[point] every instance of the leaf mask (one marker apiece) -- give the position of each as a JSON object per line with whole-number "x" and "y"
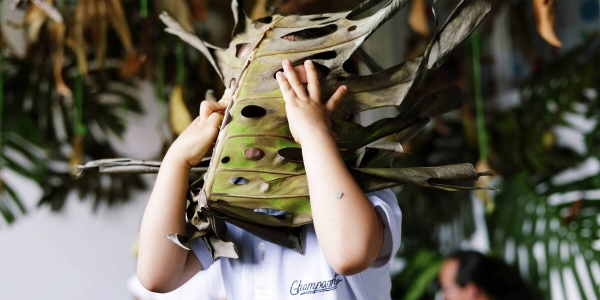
{"x": 256, "y": 177}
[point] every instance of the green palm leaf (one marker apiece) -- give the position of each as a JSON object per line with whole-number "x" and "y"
{"x": 552, "y": 244}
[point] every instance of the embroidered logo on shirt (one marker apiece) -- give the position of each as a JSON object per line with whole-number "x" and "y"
{"x": 299, "y": 288}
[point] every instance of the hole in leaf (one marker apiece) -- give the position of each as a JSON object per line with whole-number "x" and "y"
{"x": 291, "y": 154}
{"x": 341, "y": 78}
{"x": 239, "y": 180}
{"x": 310, "y": 33}
{"x": 322, "y": 71}
{"x": 323, "y": 55}
{"x": 254, "y": 153}
{"x": 330, "y": 21}
{"x": 351, "y": 66}
{"x": 370, "y": 153}
{"x": 225, "y": 159}
{"x": 279, "y": 214}
{"x": 253, "y": 111}
{"x": 352, "y": 28}
{"x": 319, "y": 19}
{"x": 265, "y": 20}
{"x": 242, "y": 50}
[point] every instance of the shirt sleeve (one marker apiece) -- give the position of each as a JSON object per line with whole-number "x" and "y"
{"x": 202, "y": 252}
{"x": 138, "y": 290}
{"x": 386, "y": 206}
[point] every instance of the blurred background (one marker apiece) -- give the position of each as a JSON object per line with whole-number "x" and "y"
{"x": 84, "y": 80}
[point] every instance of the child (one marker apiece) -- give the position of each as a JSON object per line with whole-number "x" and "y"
{"x": 347, "y": 248}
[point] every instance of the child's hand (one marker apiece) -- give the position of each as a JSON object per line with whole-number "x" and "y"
{"x": 193, "y": 143}
{"x": 305, "y": 112}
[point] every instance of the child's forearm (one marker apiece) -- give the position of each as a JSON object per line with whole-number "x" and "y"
{"x": 162, "y": 265}
{"x": 347, "y": 227}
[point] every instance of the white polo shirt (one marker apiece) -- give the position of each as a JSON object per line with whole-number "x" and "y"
{"x": 268, "y": 271}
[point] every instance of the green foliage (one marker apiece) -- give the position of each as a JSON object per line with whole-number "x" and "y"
{"x": 549, "y": 241}
{"x": 39, "y": 127}
{"x": 418, "y": 279}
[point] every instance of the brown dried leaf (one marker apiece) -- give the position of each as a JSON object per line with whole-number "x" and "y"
{"x": 417, "y": 19}
{"x": 179, "y": 10}
{"x": 76, "y": 154}
{"x": 179, "y": 115}
{"x": 484, "y": 195}
{"x": 235, "y": 185}
{"x": 544, "y": 13}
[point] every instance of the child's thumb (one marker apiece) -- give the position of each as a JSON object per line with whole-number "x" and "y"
{"x": 214, "y": 120}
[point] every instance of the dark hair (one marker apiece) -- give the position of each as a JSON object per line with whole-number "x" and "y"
{"x": 491, "y": 275}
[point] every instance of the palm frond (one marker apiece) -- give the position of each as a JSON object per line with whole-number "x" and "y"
{"x": 551, "y": 243}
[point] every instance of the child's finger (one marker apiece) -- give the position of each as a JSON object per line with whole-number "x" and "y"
{"x": 214, "y": 120}
{"x": 226, "y": 94}
{"x": 293, "y": 79}
{"x": 210, "y": 95}
{"x": 284, "y": 86}
{"x": 336, "y": 99}
{"x": 208, "y": 107}
{"x": 314, "y": 87}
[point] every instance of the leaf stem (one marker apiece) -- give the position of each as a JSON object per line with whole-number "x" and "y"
{"x": 477, "y": 89}
{"x": 79, "y": 126}
{"x": 180, "y": 55}
{"x": 144, "y": 8}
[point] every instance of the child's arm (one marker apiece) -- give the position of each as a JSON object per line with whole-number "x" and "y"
{"x": 349, "y": 230}
{"x": 162, "y": 265}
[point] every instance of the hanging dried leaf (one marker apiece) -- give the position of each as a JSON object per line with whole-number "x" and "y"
{"x": 93, "y": 17}
{"x": 179, "y": 115}
{"x": 544, "y": 13}
{"x": 34, "y": 20}
{"x": 76, "y": 154}
{"x": 43, "y": 12}
{"x": 417, "y": 19}
{"x": 179, "y": 9}
{"x": 131, "y": 65}
{"x": 49, "y": 9}
{"x": 235, "y": 184}
{"x": 57, "y": 34}
{"x": 483, "y": 194}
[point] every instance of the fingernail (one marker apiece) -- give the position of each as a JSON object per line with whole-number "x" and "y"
{"x": 278, "y": 74}
{"x": 345, "y": 88}
{"x": 308, "y": 62}
{"x": 287, "y": 62}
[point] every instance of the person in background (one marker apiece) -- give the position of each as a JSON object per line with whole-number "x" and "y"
{"x": 470, "y": 275}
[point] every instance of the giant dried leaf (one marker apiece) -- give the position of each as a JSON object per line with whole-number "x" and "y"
{"x": 255, "y": 121}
